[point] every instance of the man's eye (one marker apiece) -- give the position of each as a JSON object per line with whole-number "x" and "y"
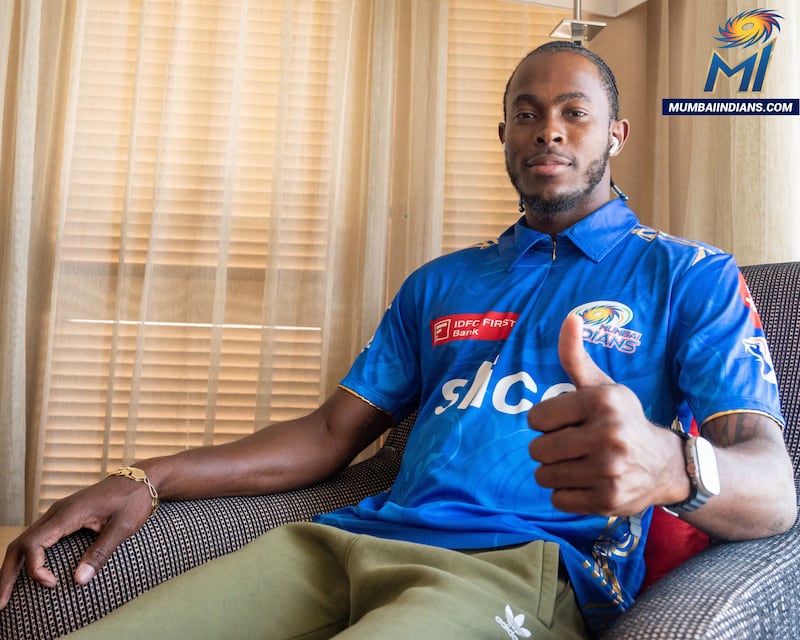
{"x": 577, "y": 113}
{"x": 525, "y": 115}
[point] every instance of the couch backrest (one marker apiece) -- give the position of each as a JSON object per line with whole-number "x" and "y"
{"x": 776, "y": 293}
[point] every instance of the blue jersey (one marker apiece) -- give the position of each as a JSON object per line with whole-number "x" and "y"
{"x": 470, "y": 341}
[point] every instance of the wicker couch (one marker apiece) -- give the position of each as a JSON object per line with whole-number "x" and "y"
{"x": 735, "y": 590}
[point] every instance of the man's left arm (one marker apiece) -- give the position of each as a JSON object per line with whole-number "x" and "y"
{"x": 599, "y": 454}
{"x": 757, "y": 495}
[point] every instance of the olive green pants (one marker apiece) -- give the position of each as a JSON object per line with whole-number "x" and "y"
{"x": 312, "y": 581}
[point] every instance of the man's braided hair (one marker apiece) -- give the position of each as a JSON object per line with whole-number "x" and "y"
{"x": 609, "y": 81}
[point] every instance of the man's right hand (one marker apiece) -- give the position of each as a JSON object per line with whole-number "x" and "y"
{"x": 288, "y": 455}
{"x": 115, "y": 509}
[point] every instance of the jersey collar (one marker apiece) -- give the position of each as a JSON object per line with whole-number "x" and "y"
{"x": 596, "y": 235}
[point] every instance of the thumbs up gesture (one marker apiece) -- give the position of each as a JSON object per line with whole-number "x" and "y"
{"x": 597, "y": 450}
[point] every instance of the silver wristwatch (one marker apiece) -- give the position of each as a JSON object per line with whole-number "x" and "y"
{"x": 701, "y": 466}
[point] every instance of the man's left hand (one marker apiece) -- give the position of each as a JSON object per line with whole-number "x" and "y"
{"x": 598, "y": 452}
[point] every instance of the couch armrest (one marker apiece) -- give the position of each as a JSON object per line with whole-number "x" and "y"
{"x": 739, "y": 590}
{"x": 180, "y": 536}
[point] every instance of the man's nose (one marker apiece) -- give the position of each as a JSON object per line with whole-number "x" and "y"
{"x": 549, "y": 132}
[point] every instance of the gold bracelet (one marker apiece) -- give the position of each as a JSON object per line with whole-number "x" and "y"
{"x": 139, "y": 476}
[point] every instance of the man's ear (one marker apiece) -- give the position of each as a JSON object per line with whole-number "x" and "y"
{"x": 619, "y": 131}
{"x": 501, "y": 132}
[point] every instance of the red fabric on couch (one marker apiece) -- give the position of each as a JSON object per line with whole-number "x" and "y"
{"x": 671, "y": 541}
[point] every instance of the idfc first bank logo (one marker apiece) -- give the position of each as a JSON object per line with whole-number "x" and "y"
{"x": 753, "y": 33}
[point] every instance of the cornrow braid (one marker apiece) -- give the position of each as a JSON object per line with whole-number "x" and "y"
{"x": 609, "y": 81}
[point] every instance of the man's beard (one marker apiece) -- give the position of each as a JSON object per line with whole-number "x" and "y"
{"x": 546, "y": 209}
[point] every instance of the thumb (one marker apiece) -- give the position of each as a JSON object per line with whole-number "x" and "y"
{"x": 579, "y": 366}
{"x": 96, "y": 556}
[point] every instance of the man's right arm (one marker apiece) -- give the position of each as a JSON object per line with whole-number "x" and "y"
{"x": 284, "y": 456}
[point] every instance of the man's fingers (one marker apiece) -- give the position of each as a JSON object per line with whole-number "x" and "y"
{"x": 105, "y": 508}
{"x": 582, "y": 501}
{"x": 33, "y": 560}
{"x": 8, "y": 576}
{"x": 579, "y": 366}
{"x": 100, "y": 551}
{"x": 84, "y": 572}
{"x": 44, "y": 576}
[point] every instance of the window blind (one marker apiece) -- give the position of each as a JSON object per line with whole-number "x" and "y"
{"x": 486, "y": 41}
{"x": 187, "y": 117}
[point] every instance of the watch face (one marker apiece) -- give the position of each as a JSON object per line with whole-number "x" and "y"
{"x": 707, "y": 475}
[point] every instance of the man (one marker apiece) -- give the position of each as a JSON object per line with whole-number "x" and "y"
{"x": 491, "y": 529}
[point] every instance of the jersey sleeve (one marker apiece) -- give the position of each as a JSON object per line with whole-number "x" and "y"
{"x": 723, "y": 363}
{"x": 387, "y": 371}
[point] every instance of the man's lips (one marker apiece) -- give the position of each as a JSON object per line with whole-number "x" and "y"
{"x": 548, "y": 164}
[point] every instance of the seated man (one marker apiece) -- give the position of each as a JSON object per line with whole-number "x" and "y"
{"x": 547, "y": 369}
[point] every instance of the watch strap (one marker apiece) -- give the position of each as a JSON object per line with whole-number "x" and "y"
{"x": 696, "y": 499}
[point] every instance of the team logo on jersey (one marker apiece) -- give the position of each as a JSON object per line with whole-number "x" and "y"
{"x": 757, "y": 347}
{"x": 604, "y": 325}
{"x": 492, "y": 325}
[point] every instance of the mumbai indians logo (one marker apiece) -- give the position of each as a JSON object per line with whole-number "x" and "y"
{"x": 604, "y": 324}
{"x": 745, "y": 30}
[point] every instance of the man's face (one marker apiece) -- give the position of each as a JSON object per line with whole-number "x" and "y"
{"x": 556, "y": 136}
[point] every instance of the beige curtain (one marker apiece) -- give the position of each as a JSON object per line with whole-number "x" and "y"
{"x": 35, "y": 47}
{"x": 207, "y": 206}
